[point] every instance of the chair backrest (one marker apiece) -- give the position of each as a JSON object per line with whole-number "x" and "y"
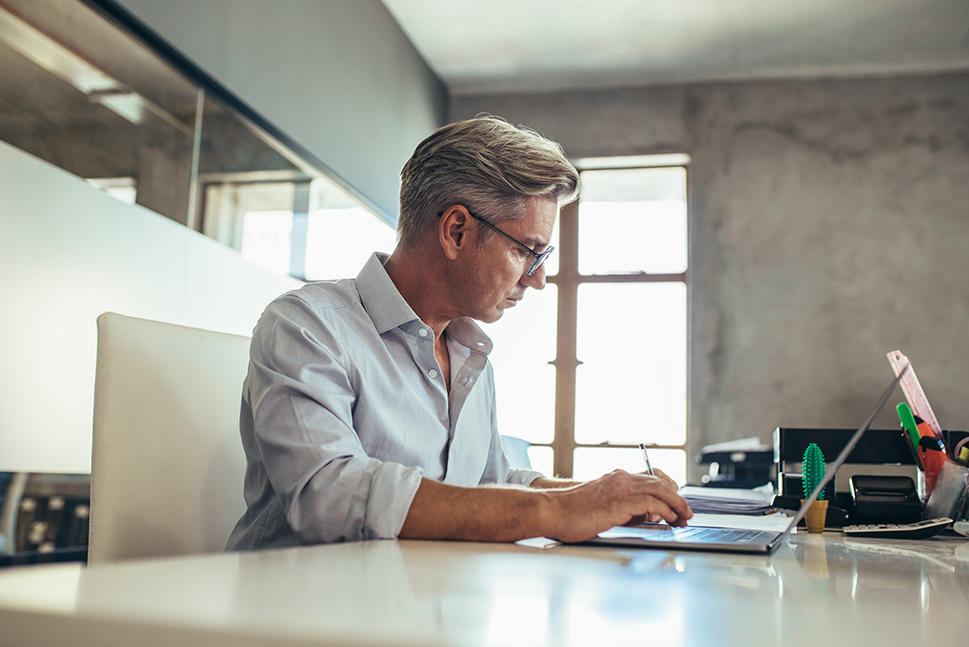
{"x": 167, "y": 463}
{"x": 516, "y": 451}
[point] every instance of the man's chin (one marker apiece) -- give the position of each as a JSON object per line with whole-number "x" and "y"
{"x": 491, "y": 317}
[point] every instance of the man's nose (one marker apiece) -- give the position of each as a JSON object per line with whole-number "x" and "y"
{"x": 536, "y": 280}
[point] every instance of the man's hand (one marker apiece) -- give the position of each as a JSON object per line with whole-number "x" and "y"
{"x": 617, "y": 498}
{"x": 574, "y": 513}
{"x": 661, "y": 475}
{"x": 654, "y": 518}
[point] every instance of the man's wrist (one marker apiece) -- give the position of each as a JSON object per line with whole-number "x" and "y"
{"x": 549, "y": 513}
{"x": 549, "y": 483}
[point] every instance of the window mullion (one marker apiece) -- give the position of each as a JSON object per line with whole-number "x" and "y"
{"x": 566, "y": 361}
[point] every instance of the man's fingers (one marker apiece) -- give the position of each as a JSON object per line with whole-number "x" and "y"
{"x": 673, "y": 501}
{"x": 659, "y": 509}
{"x": 665, "y": 478}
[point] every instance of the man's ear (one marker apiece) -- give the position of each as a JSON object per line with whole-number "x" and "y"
{"x": 454, "y": 230}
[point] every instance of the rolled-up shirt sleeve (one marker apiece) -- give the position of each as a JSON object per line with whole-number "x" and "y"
{"x": 302, "y": 401}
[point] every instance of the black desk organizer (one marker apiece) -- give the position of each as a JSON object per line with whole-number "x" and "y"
{"x": 876, "y": 447}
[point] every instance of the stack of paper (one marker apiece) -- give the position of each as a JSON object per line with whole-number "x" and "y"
{"x": 726, "y": 500}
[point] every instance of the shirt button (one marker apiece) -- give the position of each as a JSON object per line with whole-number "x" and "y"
{"x": 466, "y": 380}
{"x": 432, "y": 373}
{"x": 422, "y": 332}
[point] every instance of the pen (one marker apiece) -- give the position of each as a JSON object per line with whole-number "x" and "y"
{"x": 914, "y": 449}
{"x": 908, "y": 422}
{"x": 649, "y": 467}
{"x": 925, "y": 431}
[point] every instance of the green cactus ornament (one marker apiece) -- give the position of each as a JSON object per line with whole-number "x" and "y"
{"x": 812, "y": 468}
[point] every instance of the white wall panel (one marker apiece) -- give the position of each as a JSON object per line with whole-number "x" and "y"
{"x": 69, "y": 252}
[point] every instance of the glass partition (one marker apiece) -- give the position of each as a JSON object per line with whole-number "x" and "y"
{"x": 80, "y": 92}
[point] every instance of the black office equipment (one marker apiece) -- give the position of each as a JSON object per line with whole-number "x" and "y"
{"x": 878, "y": 447}
{"x": 915, "y": 530}
{"x": 730, "y": 539}
{"x": 884, "y": 499}
{"x": 737, "y": 468}
{"x": 47, "y": 518}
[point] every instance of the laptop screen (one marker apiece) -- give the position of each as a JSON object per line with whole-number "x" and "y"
{"x": 832, "y": 468}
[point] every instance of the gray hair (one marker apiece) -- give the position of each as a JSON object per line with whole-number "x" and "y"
{"x": 486, "y": 164}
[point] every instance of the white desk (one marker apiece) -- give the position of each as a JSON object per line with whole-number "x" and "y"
{"x": 818, "y": 590}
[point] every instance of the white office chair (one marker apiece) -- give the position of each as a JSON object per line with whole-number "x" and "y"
{"x": 167, "y": 464}
{"x": 516, "y": 451}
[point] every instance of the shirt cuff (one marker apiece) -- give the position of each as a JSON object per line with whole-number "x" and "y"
{"x": 392, "y": 491}
{"x": 522, "y": 477}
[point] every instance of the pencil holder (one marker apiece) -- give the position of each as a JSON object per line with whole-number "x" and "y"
{"x": 949, "y": 496}
{"x": 933, "y": 462}
{"x": 816, "y": 516}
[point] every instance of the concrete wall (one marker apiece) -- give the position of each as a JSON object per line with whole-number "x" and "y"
{"x": 69, "y": 252}
{"x": 828, "y": 225}
{"x": 338, "y": 77}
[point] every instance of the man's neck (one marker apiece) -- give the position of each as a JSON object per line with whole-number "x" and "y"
{"x": 418, "y": 281}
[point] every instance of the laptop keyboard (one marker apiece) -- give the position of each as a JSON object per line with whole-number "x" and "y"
{"x": 718, "y": 535}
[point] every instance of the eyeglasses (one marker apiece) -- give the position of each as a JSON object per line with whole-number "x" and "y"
{"x": 538, "y": 258}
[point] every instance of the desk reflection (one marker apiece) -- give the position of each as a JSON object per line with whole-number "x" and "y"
{"x": 455, "y": 593}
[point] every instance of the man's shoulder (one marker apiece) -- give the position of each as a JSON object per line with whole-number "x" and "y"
{"x": 321, "y": 296}
{"x": 321, "y": 302}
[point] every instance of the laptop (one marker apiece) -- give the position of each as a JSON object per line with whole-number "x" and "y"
{"x": 732, "y": 540}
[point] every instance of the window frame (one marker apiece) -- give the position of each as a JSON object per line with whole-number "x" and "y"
{"x": 568, "y": 279}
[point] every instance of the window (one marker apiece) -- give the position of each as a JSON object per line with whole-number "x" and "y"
{"x": 602, "y": 350}
{"x": 308, "y": 229}
{"x": 81, "y": 93}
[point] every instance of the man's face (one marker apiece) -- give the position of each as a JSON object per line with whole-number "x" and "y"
{"x": 495, "y": 277}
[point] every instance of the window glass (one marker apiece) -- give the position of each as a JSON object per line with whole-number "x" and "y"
{"x": 67, "y": 97}
{"x": 631, "y": 385}
{"x": 633, "y": 220}
{"x": 341, "y": 234}
{"x": 593, "y": 462}
{"x": 524, "y": 344}
{"x": 266, "y": 239}
{"x": 79, "y": 92}
{"x": 541, "y": 459}
{"x": 253, "y": 217}
{"x": 551, "y": 265}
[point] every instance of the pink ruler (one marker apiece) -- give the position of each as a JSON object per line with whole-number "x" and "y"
{"x": 913, "y": 391}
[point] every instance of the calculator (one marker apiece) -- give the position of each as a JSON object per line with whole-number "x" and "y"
{"x": 915, "y": 530}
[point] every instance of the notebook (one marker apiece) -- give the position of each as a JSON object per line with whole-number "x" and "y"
{"x": 732, "y": 540}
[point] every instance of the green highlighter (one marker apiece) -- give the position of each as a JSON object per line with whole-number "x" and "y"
{"x": 908, "y": 422}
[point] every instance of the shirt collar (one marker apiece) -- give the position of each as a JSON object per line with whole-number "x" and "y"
{"x": 380, "y": 297}
{"x": 469, "y": 334}
{"x": 388, "y": 309}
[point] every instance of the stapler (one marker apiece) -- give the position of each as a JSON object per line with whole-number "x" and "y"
{"x": 884, "y": 499}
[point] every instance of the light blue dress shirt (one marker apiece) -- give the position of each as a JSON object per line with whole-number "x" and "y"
{"x": 344, "y": 409}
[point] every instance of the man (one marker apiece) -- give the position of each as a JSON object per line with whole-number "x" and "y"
{"x": 368, "y": 410}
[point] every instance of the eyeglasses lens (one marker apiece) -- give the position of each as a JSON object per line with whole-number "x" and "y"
{"x": 539, "y": 260}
